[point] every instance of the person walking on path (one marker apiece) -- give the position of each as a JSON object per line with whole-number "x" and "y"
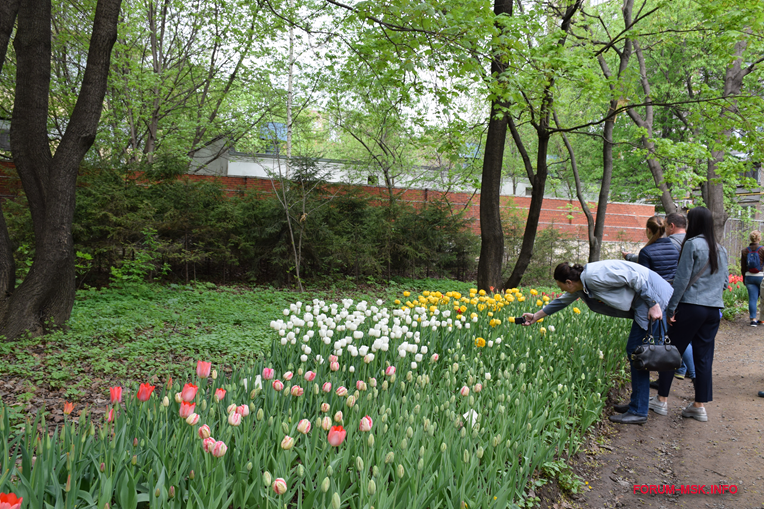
{"x": 621, "y": 289}
{"x": 694, "y": 310}
{"x": 752, "y": 268}
{"x": 676, "y": 229}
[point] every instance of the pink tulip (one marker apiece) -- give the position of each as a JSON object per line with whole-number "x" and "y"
{"x": 110, "y": 416}
{"x": 219, "y": 449}
{"x": 341, "y": 391}
{"x": 366, "y": 424}
{"x": 390, "y": 371}
{"x": 204, "y": 432}
{"x": 203, "y": 369}
{"x": 288, "y": 375}
{"x": 373, "y": 382}
{"x": 338, "y": 416}
{"x": 465, "y": 391}
{"x": 242, "y": 410}
{"x": 186, "y": 409}
{"x": 280, "y": 486}
{"x": 434, "y": 358}
{"x": 297, "y": 391}
{"x": 116, "y": 395}
{"x": 310, "y": 376}
{"x": 10, "y": 501}
{"x": 193, "y": 419}
{"x": 336, "y": 436}
{"x": 325, "y": 407}
{"x": 219, "y": 395}
{"x": 208, "y": 444}
{"x": 234, "y": 419}
{"x": 287, "y": 443}
{"x": 268, "y": 374}
{"x": 231, "y": 408}
{"x": 478, "y": 387}
{"x": 326, "y": 423}
{"x": 334, "y": 366}
{"x": 333, "y": 358}
{"x": 327, "y": 387}
{"x": 278, "y": 385}
{"x": 360, "y": 385}
{"x": 189, "y": 392}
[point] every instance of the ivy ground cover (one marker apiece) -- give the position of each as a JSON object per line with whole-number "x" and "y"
{"x": 436, "y": 401}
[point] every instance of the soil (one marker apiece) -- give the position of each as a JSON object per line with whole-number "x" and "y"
{"x": 673, "y": 451}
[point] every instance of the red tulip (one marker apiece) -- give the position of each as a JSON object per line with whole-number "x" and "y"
{"x": 310, "y": 376}
{"x": 110, "y": 415}
{"x": 10, "y": 501}
{"x": 366, "y": 424}
{"x": 186, "y": 409}
{"x": 336, "y": 436}
{"x": 144, "y": 392}
{"x": 116, "y": 394}
{"x": 68, "y": 407}
{"x": 204, "y": 432}
{"x": 189, "y": 392}
{"x": 203, "y": 369}
{"x": 267, "y": 374}
{"x": 219, "y": 394}
{"x": 278, "y": 385}
{"x": 297, "y": 391}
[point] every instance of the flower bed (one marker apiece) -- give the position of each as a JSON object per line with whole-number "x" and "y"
{"x": 438, "y": 402}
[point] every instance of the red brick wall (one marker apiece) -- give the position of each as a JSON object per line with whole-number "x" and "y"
{"x": 624, "y": 221}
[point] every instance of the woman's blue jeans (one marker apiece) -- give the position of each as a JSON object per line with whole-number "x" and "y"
{"x": 753, "y": 284}
{"x": 688, "y": 365}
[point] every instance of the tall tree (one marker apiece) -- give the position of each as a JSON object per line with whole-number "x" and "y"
{"x": 46, "y": 296}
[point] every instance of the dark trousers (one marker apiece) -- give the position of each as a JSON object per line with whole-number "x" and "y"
{"x": 696, "y": 325}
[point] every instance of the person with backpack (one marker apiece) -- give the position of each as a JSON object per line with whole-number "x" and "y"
{"x": 752, "y": 268}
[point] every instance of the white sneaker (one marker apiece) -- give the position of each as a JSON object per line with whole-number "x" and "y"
{"x": 697, "y": 413}
{"x": 660, "y": 408}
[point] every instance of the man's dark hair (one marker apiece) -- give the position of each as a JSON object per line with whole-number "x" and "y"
{"x": 677, "y": 220}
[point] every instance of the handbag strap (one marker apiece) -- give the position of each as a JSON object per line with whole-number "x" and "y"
{"x": 650, "y": 339}
{"x": 700, "y": 272}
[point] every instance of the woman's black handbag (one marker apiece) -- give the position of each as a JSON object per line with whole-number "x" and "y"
{"x": 652, "y": 356}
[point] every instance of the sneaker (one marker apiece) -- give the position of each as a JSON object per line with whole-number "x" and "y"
{"x": 678, "y": 376}
{"x": 699, "y": 414}
{"x": 754, "y": 323}
{"x": 658, "y": 407}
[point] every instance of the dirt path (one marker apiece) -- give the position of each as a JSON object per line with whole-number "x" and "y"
{"x": 671, "y": 450}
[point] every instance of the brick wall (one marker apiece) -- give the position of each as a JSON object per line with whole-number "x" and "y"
{"x": 625, "y": 222}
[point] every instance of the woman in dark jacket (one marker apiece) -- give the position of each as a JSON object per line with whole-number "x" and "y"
{"x": 753, "y": 274}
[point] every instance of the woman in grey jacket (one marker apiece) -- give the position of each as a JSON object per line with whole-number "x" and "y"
{"x": 621, "y": 289}
{"x": 694, "y": 310}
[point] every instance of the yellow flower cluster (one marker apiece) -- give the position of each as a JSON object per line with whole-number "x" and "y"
{"x": 479, "y": 342}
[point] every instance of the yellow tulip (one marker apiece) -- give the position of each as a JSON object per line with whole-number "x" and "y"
{"x": 406, "y": 294}
{"x": 577, "y": 311}
{"x": 534, "y": 292}
{"x": 539, "y": 302}
{"x": 482, "y": 292}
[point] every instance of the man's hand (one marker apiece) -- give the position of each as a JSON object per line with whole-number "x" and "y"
{"x": 655, "y": 313}
{"x": 529, "y": 318}
{"x": 624, "y": 254}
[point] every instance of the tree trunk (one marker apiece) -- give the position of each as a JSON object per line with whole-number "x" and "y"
{"x": 534, "y": 210}
{"x": 491, "y": 234}
{"x": 46, "y": 296}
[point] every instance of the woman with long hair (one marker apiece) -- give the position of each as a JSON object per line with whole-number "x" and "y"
{"x": 624, "y": 290}
{"x": 694, "y": 310}
{"x": 752, "y": 269}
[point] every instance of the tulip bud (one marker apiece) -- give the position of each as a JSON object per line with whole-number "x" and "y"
{"x": 421, "y": 451}
{"x": 284, "y": 427}
{"x": 267, "y": 478}
{"x": 191, "y": 475}
{"x": 359, "y": 463}
{"x": 135, "y": 442}
{"x": 134, "y": 459}
{"x": 300, "y": 470}
{"x": 157, "y": 492}
{"x": 279, "y": 486}
{"x": 214, "y": 374}
{"x": 480, "y": 453}
{"x": 336, "y": 501}
{"x": 404, "y": 444}
{"x": 389, "y": 458}
{"x": 350, "y": 401}
{"x": 165, "y": 402}
{"x": 249, "y": 466}
{"x": 420, "y": 464}
{"x": 178, "y": 397}
{"x": 372, "y": 487}
{"x": 260, "y": 414}
{"x": 171, "y": 492}
{"x": 326, "y": 423}
{"x": 370, "y": 440}
{"x": 325, "y": 485}
{"x": 304, "y": 426}
{"x": 384, "y": 385}
{"x": 204, "y": 405}
{"x": 102, "y": 467}
{"x": 287, "y": 443}
{"x": 443, "y": 447}
{"x": 338, "y": 416}
{"x": 192, "y": 419}
{"x": 400, "y": 471}
{"x": 329, "y": 471}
